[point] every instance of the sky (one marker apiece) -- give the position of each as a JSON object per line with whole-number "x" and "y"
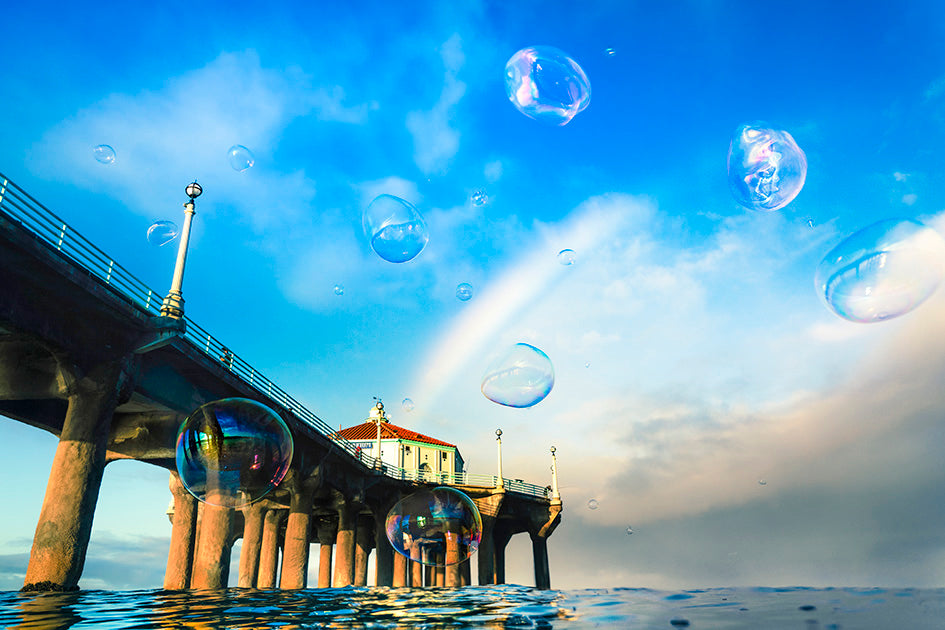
{"x": 704, "y": 394}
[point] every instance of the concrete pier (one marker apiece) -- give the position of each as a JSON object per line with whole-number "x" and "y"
{"x": 183, "y": 537}
{"x": 254, "y": 516}
{"x": 344, "y": 543}
{"x": 296, "y": 550}
{"x": 214, "y": 542}
{"x": 269, "y": 548}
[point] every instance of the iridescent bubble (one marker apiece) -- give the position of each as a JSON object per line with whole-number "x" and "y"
{"x": 610, "y": 52}
{"x": 339, "y": 289}
{"x": 407, "y": 404}
{"x": 232, "y": 452}
{"x": 240, "y": 157}
{"x": 629, "y": 530}
{"x": 546, "y": 84}
{"x": 436, "y": 527}
{"x": 464, "y": 291}
{"x": 520, "y": 377}
{"x": 395, "y": 228}
{"x": 479, "y": 198}
{"x": 883, "y": 271}
{"x": 766, "y": 168}
{"x": 593, "y": 504}
{"x": 104, "y": 154}
{"x": 566, "y": 257}
{"x": 162, "y": 232}
{"x": 762, "y": 482}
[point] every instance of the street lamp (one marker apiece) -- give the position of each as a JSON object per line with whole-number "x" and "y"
{"x": 173, "y": 305}
{"x": 500, "y": 482}
{"x": 380, "y": 417}
{"x": 555, "y": 497}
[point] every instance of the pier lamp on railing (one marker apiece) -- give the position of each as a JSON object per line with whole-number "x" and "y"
{"x": 555, "y": 497}
{"x": 500, "y": 483}
{"x": 380, "y": 417}
{"x": 173, "y": 305}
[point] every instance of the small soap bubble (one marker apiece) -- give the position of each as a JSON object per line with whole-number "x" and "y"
{"x": 339, "y": 289}
{"x": 162, "y": 232}
{"x": 104, "y": 154}
{"x": 762, "y": 482}
{"x": 407, "y": 404}
{"x": 479, "y": 198}
{"x": 610, "y": 52}
{"x": 566, "y": 257}
{"x": 520, "y": 377}
{"x": 464, "y": 291}
{"x": 396, "y": 230}
{"x": 438, "y": 527}
{"x": 629, "y": 530}
{"x": 546, "y": 84}
{"x": 593, "y": 504}
{"x": 232, "y": 452}
{"x": 883, "y": 271}
{"x": 810, "y": 223}
{"x": 240, "y": 157}
{"x": 766, "y": 168}
{"x": 588, "y": 364}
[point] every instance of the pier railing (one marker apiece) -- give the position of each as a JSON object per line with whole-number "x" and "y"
{"x": 20, "y": 207}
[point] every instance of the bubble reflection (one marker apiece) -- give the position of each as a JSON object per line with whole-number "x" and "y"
{"x": 162, "y": 232}
{"x": 232, "y": 452}
{"x": 240, "y": 158}
{"x": 438, "y": 527}
{"x": 396, "y": 229}
{"x": 546, "y": 84}
{"x": 521, "y": 376}
{"x": 766, "y": 168}
{"x": 883, "y": 271}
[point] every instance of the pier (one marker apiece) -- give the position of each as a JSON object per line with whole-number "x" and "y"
{"x": 88, "y": 353}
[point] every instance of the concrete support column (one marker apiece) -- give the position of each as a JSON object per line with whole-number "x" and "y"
{"x": 212, "y": 557}
{"x": 487, "y": 553}
{"x": 253, "y": 518}
{"x": 499, "y": 542}
{"x": 327, "y": 531}
{"x": 363, "y": 543}
{"x": 440, "y": 575}
{"x": 65, "y": 519}
{"x": 269, "y": 552}
{"x": 401, "y": 566}
{"x": 466, "y": 574}
{"x": 344, "y": 544}
{"x": 383, "y": 555}
{"x": 183, "y": 531}
{"x": 295, "y": 551}
{"x": 416, "y": 569}
{"x": 453, "y": 576}
{"x": 542, "y": 572}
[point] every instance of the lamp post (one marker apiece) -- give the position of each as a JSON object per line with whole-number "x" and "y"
{"x": 555, "y": 497}
{"x": 173, "y": 305}
{"x": 500, "y": 483}
{"x": 380, "y": 416}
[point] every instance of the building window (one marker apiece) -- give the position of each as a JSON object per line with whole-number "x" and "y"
{"x": 445, "y": 455}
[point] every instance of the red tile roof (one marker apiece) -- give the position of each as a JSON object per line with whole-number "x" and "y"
{"x": 368, "y": 431}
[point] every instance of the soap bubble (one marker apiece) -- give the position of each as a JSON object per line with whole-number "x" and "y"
{"x": 629, "y": 530}
{"x": 883, "y": 271}
{"x": 407, "y": 404}
{"x": 464, "y": 291}
{"x": 339, "y": 289}
{"x": 395, "y": 228}
{"x": 566, "y": 257}
{"x": 762, "y": 482}
{"x": 479, "y": 198}
{"x": 436, "y": 527}
{"x": 544, "y": 83}
{"x": 520, "y": 377}
{"x": 588, "y": 364}
{"x": 610, "y": 52}
{"x": 766, "y": 168}
{"x": 232, "y": 452}
{"x": 104, "y": 154}
{"x": 240, "y": 157}
{"x": 162, "y": 232}
{"x": 593, "y": 504}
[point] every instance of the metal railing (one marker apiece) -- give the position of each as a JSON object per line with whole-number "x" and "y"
{"x": 20, "y": 207}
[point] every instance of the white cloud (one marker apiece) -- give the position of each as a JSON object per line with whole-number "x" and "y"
{"x": 435, "y": 139}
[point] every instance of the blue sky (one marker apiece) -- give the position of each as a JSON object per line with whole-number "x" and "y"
{"x": 711, "y": 363}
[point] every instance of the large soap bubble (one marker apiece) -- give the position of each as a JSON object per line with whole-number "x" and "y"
{"x": 436, "y": 527}
{"x": 546, "y": 84}
{"x": 240, "y": 158}
{"x": 395, "y": 228}
{"x": 766, "y": 168}
{"x": 104, "y": 153}
{"x": 162, "y": 232}
{"x": 520, "y": 377}
{"x": 883, "y": 271}
{"x": 232, "y": 452}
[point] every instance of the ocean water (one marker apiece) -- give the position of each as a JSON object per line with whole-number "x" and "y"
{"x": 505, "y": 606}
